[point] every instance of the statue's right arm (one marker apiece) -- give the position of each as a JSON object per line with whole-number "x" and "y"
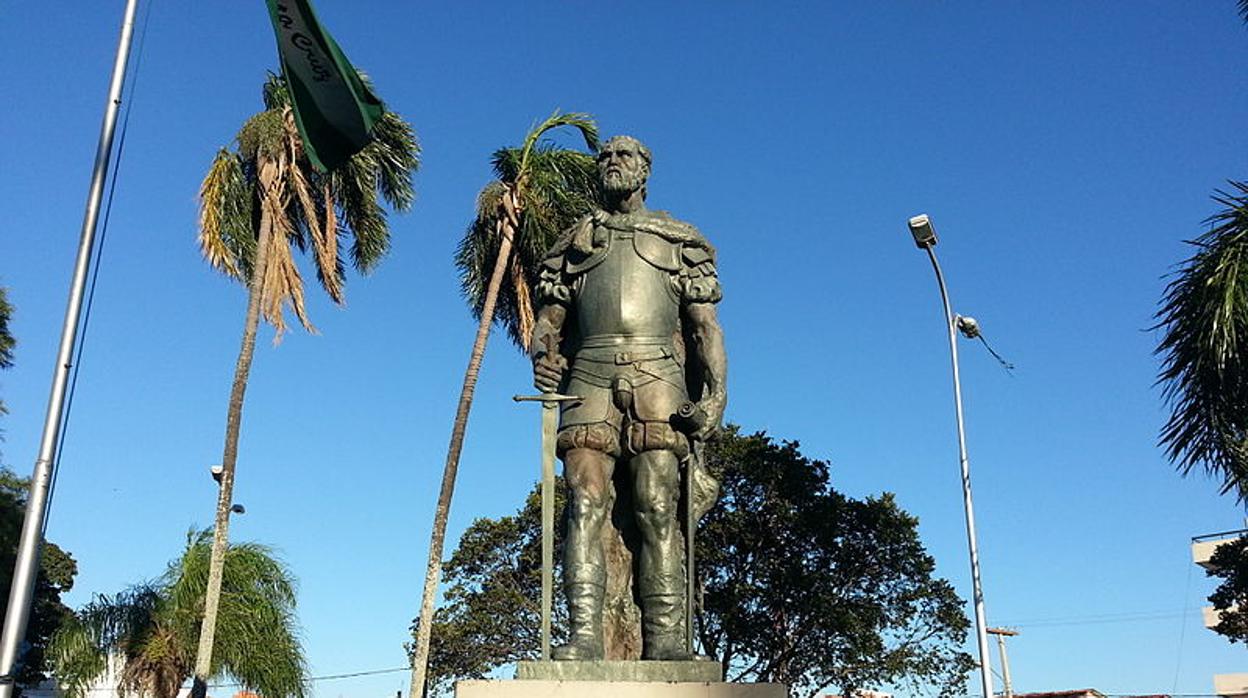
{"x": 548, "y": 363}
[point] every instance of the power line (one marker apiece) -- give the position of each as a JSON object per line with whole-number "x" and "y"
{"x": 328, "y": 677}
{"x": 1093, "y": 619}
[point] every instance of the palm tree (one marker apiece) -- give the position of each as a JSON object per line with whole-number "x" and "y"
{"x": 255, "y": 204}
{"x": 540, "y": 190}
{"x": 7, "y": 342}
{"x": 1204, "y": 317}
{"x": 6, "y": 338}
{"x": 148, "y": 632}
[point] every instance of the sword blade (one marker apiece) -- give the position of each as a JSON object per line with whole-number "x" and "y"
{"x": 550, "y": 425}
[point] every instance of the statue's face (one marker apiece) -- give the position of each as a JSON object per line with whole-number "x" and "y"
{"x": 621, "y": 166}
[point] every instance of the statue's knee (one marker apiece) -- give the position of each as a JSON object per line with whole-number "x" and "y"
{"x": 589, "y": 505}
{"x": 656, "y": 514}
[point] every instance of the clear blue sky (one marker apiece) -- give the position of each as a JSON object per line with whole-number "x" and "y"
{"x": 1063, "y": 149}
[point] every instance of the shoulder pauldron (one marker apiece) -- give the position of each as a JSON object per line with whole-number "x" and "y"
{"x": 657, "y": 251}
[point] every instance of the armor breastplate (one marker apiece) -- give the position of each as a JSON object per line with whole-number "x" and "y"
{"x": 627, "y": 294}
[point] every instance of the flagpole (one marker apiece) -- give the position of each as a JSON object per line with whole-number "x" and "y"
{"x": 25, "y": 571}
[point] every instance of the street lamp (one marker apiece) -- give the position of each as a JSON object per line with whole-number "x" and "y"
{"x": 925, "y": 238}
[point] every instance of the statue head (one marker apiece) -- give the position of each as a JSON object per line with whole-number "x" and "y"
{"x": 623, "y": 166}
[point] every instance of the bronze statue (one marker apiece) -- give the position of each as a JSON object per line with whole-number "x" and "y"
{"x": 626, "y": 321}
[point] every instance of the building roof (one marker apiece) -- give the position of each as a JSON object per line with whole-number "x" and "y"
{"x": 1062, "y": 694}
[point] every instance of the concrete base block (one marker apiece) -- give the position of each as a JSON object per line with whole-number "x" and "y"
{"x": 611, "y": 671}
{"x": 615, "y": 689}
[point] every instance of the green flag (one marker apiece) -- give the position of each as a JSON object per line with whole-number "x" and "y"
{"x": 333, "y": 107}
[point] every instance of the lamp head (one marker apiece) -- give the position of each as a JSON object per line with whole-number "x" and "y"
{"x": 922, "y": 230}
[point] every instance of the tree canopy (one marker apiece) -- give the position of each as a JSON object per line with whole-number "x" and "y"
{"x": 1229, "y": 563}
{"x": 154, "y": 626}
{"x": 268, "y": 179}
{"x": 553, "y": 186}
{"x": 799, "y": 584}
{"x": 57, "y": 569}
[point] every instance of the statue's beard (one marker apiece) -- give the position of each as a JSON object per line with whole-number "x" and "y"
{"x": 621, "y": 183}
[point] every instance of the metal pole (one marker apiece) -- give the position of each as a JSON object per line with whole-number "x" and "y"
{"x": 981, "y": 627}
{"x": 1001, "y": 634}
{"x": 26, "y": 569}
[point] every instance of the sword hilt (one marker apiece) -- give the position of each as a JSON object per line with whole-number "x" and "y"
{"x": 546, "y": 397}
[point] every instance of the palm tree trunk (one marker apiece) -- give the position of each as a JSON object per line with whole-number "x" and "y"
{"x": 233, "y": 421}
{"x": 433, "y": 572}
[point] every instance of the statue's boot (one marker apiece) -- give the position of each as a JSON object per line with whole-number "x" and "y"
{"x": 585, "y": 622}
{"x": 663, "y": 627}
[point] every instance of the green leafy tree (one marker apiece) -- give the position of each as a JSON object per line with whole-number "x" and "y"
{"x": 805, "y": 586}
{"x": 261, "y": 201}
{"x": 151, "y": 629}
{"x": 491, "y": 610}
{"x": 1229, "y": 563}
{"x": 57, "y": 569}
{"x": 799, "y": 584}
{"x": 539, "y": 192}
{"x": 1204, "y": 318}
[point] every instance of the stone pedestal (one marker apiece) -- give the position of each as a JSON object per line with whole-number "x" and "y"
{"x": 616, "y": 679}
{"x": 535, "y": 688}
{"x": 613, "y": 671}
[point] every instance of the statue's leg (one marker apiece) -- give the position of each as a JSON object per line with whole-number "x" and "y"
{"x": 656, "y": 492}
{"x": 588, "y": 474}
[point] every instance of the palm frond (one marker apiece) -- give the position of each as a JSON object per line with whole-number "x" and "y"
{"x": 1204, "y": 317}
{"x": 1243, "y": 10}
{"x": 274, "y": 92}
{"x": 282, "y": 283}
{"x": 310, "y": 218}
{"x": 581, "y": 122}
{"x": 257, "y": 601}
{"x": 395, "y": 152}
{"x": 118, "y": 626}
{"x": 355, "y": 187}
{"x": 76, "y": 658}
{"x": 225, "y": 216}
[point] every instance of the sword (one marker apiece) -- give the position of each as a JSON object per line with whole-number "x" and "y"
{"x": 550, "y": 427}
{"x": 690, "y": 418}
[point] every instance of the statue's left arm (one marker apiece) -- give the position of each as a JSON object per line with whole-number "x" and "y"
{"x": 708, "y": 343}
{"x": 700, "y": 291}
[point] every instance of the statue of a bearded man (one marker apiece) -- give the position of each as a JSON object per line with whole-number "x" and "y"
{"x": 627, "y": 322}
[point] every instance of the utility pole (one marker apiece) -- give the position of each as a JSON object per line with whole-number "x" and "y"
{"x": 1001, "y": 634}
{"x": 30, "y": 545}
{"x": 925, "y": 238}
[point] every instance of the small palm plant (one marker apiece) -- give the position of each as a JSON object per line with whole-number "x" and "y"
{"x": 1204, "y": 316}
{"x": 259, "y": 202}
{"x": 147, "y": 634}
{"x": 539, "y": 192}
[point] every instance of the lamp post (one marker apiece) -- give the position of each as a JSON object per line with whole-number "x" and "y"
{"x": 925, "y": 238}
